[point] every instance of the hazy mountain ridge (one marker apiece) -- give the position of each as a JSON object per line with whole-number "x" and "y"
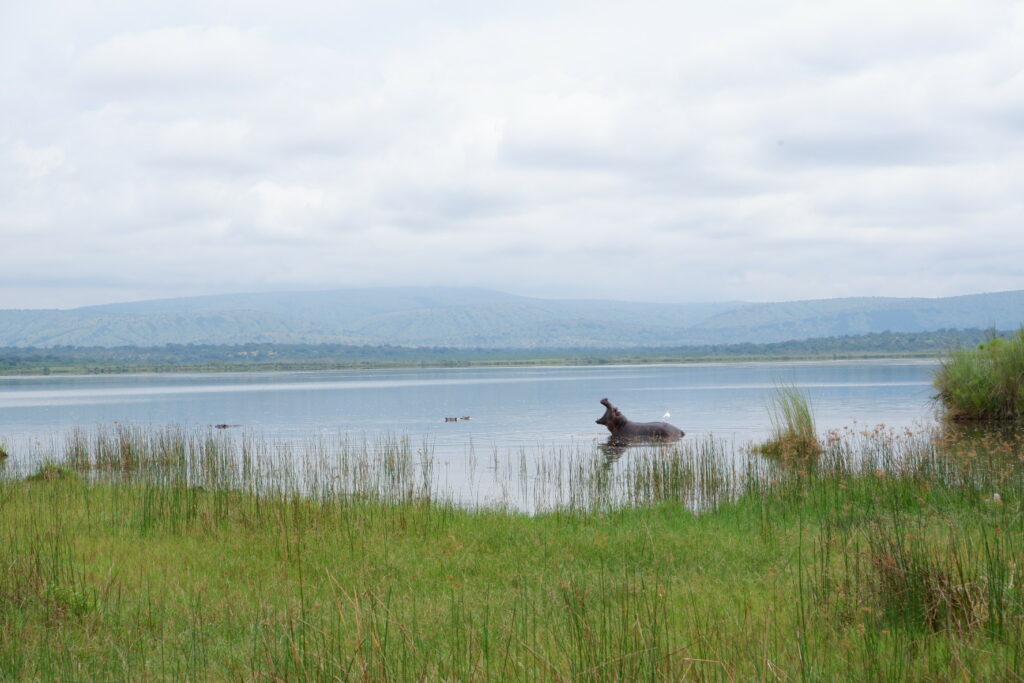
{"x": 74, "y": 328}
{"x": 477, "y": 318}
{"x": 837, "y": 317}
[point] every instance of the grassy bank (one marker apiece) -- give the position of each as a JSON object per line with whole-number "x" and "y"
{"x": 985, "y": 382}
{"x": 173, "y": 554}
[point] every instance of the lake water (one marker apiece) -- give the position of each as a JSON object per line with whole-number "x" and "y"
{"x": 510, "y": 408}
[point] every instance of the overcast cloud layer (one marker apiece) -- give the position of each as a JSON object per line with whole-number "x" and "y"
{"x": 644, "y": 150}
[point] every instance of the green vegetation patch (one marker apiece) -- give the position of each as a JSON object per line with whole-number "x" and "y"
{"x": 51, "y": 472}
{"x": 794, "y": 437}
{"x": 898, "y": 557}
{"x": 985, "y": 382}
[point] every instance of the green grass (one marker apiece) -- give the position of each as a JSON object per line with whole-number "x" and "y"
{"x": 794, "y": 438}
{"x": 983, "y": 383}
{"x": 189, "y": 555}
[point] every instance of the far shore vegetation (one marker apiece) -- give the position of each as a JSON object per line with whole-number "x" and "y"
{"x": 269, "y": 357}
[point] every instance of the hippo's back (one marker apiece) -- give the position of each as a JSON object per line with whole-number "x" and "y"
{"x": 653, "y": 430}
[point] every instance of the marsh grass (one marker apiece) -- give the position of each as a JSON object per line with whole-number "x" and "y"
{"x": 49, "y": 471}
{"x": 983, "y": 383}
{"x": 794, "y": 438}
{"x": 189, "y": 554}
{"x": 918, "y": 591}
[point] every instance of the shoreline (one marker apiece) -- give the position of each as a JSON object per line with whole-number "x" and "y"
{"x": 88, "y": 369}
{"x": 272, "y": 357}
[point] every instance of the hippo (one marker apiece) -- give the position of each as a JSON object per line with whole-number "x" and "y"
{"x": 623, "y": 430}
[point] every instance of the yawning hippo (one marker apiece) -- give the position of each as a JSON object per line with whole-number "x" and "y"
{"x": 624, "y": 430}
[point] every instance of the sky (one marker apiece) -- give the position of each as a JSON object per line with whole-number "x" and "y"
{"x": 654, "y": 151}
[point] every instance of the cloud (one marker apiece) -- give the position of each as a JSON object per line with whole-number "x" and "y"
{"x": 173, "y": 61}
{"x": 659, "y": 150}
{"x": 38, "y": 162}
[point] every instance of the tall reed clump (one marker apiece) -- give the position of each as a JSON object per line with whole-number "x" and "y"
{"x": 793, "y": 433}
{"x": 985, "y": 383}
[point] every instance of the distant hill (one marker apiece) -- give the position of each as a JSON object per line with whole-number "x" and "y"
{"x": 88, "y": 328}
{"x": 479, "y": 318}
{"x": 772, "y": 322}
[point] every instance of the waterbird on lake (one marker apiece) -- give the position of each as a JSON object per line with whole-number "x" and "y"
{"x": 666, "y": 416}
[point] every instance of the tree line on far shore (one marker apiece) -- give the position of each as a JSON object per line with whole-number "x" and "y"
{"x": 269, "y": 355}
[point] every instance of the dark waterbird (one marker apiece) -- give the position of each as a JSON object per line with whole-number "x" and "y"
{"x": 626, "y": 431}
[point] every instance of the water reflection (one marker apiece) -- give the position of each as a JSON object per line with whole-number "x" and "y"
{"x": 616, "y": 446}
{"x": 612, "y": 450}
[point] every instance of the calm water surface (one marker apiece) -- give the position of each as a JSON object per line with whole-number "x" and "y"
{"x": 510, "y": 408}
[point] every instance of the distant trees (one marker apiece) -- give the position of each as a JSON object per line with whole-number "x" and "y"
{"x": 268, "y": 355}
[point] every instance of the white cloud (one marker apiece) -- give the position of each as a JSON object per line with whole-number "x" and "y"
{"x": 38, "y": 162}
{"x": 651, "y": 150}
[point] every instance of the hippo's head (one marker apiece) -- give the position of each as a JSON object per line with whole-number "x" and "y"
{"x": 612, "y": 418}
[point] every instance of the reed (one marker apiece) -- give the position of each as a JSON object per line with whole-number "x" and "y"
{"x": 191, "y": 554}
{"x": 794, "y": 438}
{"x": 983, "y": 383}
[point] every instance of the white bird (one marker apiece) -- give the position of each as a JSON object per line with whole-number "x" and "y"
{"x": 666, "y": 416}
